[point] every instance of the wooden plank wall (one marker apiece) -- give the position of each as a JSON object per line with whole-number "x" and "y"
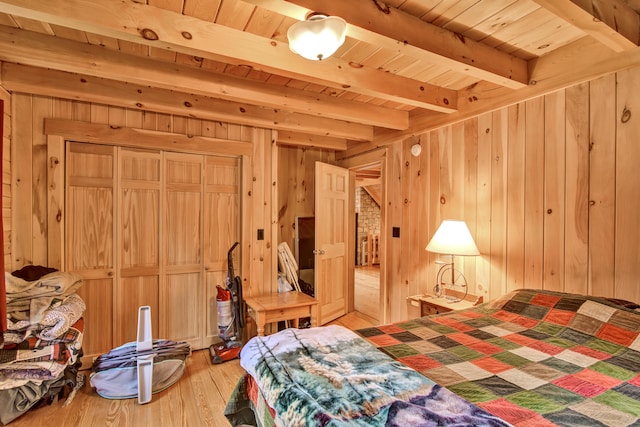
{"x": 549, "y": 189}
{"x": 26, "y": 215}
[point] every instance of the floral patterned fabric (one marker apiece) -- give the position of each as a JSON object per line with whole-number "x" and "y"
{"x": 329, "y": 376}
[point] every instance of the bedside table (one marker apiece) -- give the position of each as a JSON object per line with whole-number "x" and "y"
{"x": 437, "y": 305}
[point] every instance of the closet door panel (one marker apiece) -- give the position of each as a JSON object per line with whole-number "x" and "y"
{"x": 137, "y": 291}
{"x": 182, "y": 286}
{"x": 183, "y": 228}
{"x": 139, "y": 245}
{"x": 97, "y": 294}
{"x": 138, "y": 239}
{"x": 89, "y": 238}
{"x": 184, "y": 298}
{"x": 89, "y": 228}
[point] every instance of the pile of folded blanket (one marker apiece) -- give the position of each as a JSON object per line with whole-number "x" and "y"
{"x": 41, "y": 350}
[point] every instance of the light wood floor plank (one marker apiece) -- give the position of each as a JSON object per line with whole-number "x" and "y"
{"x": 197, "y": 399}
{"x": 367, "y": 291}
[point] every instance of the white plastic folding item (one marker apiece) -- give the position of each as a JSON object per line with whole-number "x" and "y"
{"x": 145, "y": 363}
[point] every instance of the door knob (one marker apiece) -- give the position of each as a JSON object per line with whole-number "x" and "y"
{"x": 318, "y": 252}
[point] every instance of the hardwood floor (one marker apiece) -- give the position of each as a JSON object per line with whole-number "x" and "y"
{"x": 197, "y": 399}
{"x": 367, "y": 291}
{"x": 355, "y": 320}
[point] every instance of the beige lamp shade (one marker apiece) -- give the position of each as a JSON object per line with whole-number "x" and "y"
{"x": 318, "y": 37}
{"x": 453, "y": 238}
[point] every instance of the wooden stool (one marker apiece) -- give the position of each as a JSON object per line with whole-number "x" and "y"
{"x": 282, "y": 306}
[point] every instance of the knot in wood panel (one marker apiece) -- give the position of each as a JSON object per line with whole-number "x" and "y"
{"x": 149, "y": 34}
{"x": 382, "y": 7}
{"x": 626, "y": 115}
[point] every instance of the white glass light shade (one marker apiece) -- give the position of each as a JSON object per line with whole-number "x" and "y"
{"x": 318, "y": 37}
{"x": 453, "y": 238}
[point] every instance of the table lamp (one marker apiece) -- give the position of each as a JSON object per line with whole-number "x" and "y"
{"x": 454, "y": 239}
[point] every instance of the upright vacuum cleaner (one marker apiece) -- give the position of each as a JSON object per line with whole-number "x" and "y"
{"x": 230, "y": 316}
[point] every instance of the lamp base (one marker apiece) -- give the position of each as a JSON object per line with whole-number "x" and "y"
{"x": 450, "y": 278}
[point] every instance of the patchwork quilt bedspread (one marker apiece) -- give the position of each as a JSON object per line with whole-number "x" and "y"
{"x": 330, "y": 376}
{"x": 532, "y": 358}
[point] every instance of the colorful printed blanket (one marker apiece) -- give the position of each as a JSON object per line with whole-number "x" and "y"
{"x": 329, "y": 376}
{"x": 72, "y": 335}
{"x": 38, "y": 359}
{"x": 531, "y": 358}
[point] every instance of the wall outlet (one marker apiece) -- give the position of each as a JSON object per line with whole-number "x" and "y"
{"x": 260, "y": 234}
{"x": 395, "y": 232}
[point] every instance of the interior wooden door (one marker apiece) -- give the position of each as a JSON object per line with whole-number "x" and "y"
{"x": 182, "y": 295}
{"x": 138, "y": 245}
{"x": 90, "y": 236}
{"x": 331, "y": 240}
{"x": 221, "y": 231}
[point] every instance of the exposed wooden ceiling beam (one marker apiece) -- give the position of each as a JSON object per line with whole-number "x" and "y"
{"x": 40, "y": 50}
{"x": 40, "y": 81}
{"x": 374, "y": 22}
{"x": 611, "y": 22}
{"x": 151, "y": 26}
{"x": 316, "y": 141}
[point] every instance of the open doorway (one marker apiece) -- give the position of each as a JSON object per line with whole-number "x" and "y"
{"x": 368, "y": 227}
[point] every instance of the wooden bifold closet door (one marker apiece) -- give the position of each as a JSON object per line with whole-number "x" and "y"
{"x": 150, "y": 228}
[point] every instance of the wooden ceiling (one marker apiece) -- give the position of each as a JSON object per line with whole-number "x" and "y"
{"x": 406, "y": 66}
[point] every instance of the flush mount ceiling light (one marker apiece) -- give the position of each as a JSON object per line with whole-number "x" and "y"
{"x": 317, "y": 37}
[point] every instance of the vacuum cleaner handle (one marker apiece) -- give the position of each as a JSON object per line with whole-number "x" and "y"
{"x": 239, "y": 304}
{"x": 230, "y": 273}
{"x": 234, "y": 284}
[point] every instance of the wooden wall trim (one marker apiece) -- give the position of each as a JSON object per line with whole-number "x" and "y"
{"x": 246, "y": 224}
{"x": 3, "y": 303}
{"x": 55, "y": 201}
{"x": 143, "y": 138}
{"x": 6, "y": 178}
{"x": 272, "y": 137}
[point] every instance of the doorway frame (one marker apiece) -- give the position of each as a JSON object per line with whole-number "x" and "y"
{"x": 378, "y": 156}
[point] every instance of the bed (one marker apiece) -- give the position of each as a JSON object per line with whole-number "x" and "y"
{"x": 529, "y": 358}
